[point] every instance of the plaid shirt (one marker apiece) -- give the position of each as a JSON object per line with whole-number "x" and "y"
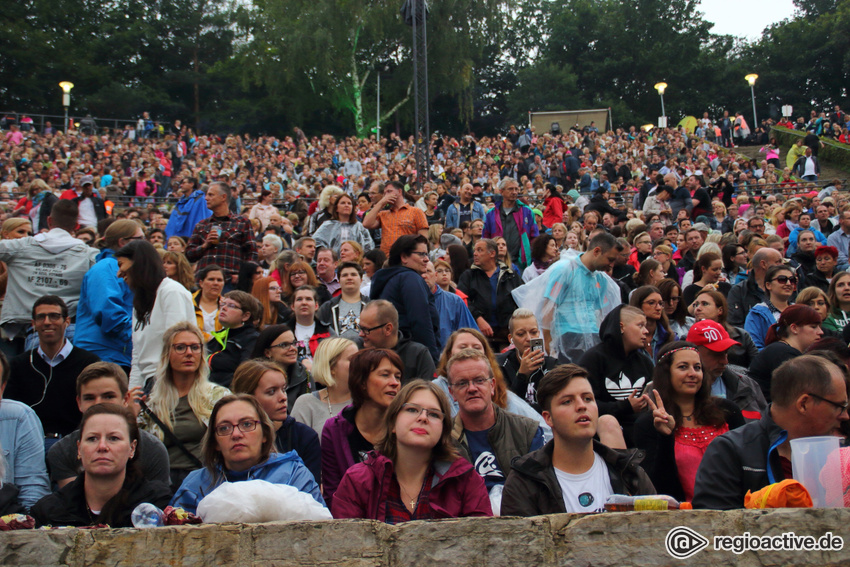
{"x": 397, "y": 512}
{"x": 236, "y": 244}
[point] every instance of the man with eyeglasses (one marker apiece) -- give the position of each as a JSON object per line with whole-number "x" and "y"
{"x": 809, "y": 400}
{"x": 487, "y": 436}
{"x": 379, "y": 329}
{"x": 234, "y": 343}
{"x": 45, "y": 377}
{"x": 512, "y": 220}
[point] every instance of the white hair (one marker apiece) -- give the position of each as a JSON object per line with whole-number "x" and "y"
{"x": 275, "y": 240}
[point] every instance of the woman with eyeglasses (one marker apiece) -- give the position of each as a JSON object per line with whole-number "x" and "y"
{"x": 648, "y": 299}
{"x": 266, "y": 381}
{"x": 674, "y": 308}
{"x": 330, "y": 369}
{"x": 277, "y": 343}
{"x": 268, "y": 292}
{"x": 300, "y": 273}
{"x": 796, "y": 330}
{"x": 240, "y": 445}
{"x": 663, "y": 254}
{"x": 374, "y": 378}
{"x": 839, "y": 299}
{"x": 415, "y": 473}
{"x": 780, "y": 283}
{"x": 711, "y": 304}
{"x": 181, "y": 399}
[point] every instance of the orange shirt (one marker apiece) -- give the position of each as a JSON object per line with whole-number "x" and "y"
{"x": 406, "y": 220}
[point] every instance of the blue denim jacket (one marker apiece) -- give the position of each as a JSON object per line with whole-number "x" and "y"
{"x": 22, "y": 447}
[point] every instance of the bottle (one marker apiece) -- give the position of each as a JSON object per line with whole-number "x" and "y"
{"x": 621, "y": 503}
{"x": 146, "y": 515}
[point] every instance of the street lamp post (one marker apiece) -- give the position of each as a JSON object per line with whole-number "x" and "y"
{"x": 66, "y": 100}
{"x": 662, "y": 123}
{"x": 751, "y": 78}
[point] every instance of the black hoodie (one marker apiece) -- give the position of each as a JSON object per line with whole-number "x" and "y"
{"x": 614, "y": 374}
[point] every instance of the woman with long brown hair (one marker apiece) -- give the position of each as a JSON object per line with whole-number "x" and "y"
{"x": 415, "y": 472}
{"x": 300, "y": 273}
{"x": 685, "y": 418}
{"x": 711, "y": 304}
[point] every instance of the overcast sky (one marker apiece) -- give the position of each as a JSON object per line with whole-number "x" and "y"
{"x": 745, "y": 18}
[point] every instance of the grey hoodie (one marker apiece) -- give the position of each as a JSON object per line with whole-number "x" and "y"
{"x": 51, "y": 263}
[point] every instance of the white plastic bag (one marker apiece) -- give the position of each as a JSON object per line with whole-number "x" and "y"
{"x": 254, "y": 501}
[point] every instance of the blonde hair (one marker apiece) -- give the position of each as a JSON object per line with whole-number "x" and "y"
{"x": 164, "y": 397}
{"x": 326, "y": 357}
{"x": 13, "y": 224}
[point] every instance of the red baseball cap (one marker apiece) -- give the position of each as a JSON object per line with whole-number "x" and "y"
{"x": 711, "y": 335}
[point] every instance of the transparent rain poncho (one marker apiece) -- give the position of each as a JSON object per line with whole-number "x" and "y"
{"x": 570, "y": 302}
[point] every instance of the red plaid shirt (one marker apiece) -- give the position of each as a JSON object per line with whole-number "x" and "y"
{"x": 397, "y": 512}
{"x": 236, "y": 244}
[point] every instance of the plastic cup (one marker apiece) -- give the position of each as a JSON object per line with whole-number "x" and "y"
{"x": 820, "y": 474}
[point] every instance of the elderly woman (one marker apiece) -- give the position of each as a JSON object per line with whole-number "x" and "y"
{"x": 342, "y": 225}
{"x": 416, "y": 472}
{"x": 239, "y": 446}
{"x": 111, "y": 484}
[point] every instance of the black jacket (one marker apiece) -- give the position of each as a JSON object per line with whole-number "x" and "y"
{"x": 660, "y": 462}
{"x": 328, "y": 313}
{"x": 99, "y": 206}
{"x": 298, "y": 382}
{"x": 524, "y": 385}
{"x": 768, "y": 360}
{"x": 416, "y": 359}
{"x": 295, "y": 436}
{"x": 224, "y": 359}
{"x": 475, "y": 283}
{"x": 613, "y": 374}
{"x": 49, "y": 391}
{"x": 744, "y": 392}
{"x": 742, "y": 297}
{"x": 738, "y": 461}
{"x": 743, "y": 354}
{"x": 417, "y": 313}
{"x": 67, "y": 506}
{"x": 532, "y": 489}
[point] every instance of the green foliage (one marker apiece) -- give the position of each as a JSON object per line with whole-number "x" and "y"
{"x": 834, "y": 153}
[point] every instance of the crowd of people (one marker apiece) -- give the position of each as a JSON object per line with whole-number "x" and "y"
{"x": 550, "y": 320}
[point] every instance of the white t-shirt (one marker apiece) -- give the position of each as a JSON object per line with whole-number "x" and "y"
{"x": 302, "y": 335}
{"x": 87, "y": 216}
{"x": 209, "y": 319}
{"x": 586, "y": 492}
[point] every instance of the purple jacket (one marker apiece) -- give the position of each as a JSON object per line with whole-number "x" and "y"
{"x": 524, "y": 219}
{"x": 336, "y": 452}
{"x": 457, "y": 491}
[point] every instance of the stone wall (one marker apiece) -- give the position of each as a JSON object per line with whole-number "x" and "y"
{"x": 635, "y": 538}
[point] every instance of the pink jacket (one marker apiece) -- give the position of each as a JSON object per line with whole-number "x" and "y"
{"x": 456, "y": 490}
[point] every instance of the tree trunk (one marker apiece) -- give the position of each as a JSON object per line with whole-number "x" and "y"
{"x": 197, "y": 90}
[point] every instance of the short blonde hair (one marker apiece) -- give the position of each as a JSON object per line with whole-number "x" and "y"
{"x": 326, "y": 357}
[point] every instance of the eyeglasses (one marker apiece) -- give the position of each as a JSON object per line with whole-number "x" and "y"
{"x": 229, "y": 305}
{"x": 180, "y": 348}
{"x": 298, "y": 273}
{"x": 285, "y": 345}
{"x": 367, "y": 330}
{"x": 274, "y": 288}
{"x": 53, "y": 317}
{"x": 841, "y": 407}
{"x": 785, "y": 279}
{"x": 464, "y": 384}
{"x": 420, "y": 254}
{"x": 654, "y": 302}
{"x": 225, "y": 429}
{"x": 416, "y": 410}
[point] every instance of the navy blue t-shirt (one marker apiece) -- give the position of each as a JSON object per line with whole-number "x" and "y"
{"x": 484, "y": 458}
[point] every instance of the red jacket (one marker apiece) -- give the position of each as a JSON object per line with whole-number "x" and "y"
{"x": 554, "y": 211}
{"x": 457, "y": 491}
